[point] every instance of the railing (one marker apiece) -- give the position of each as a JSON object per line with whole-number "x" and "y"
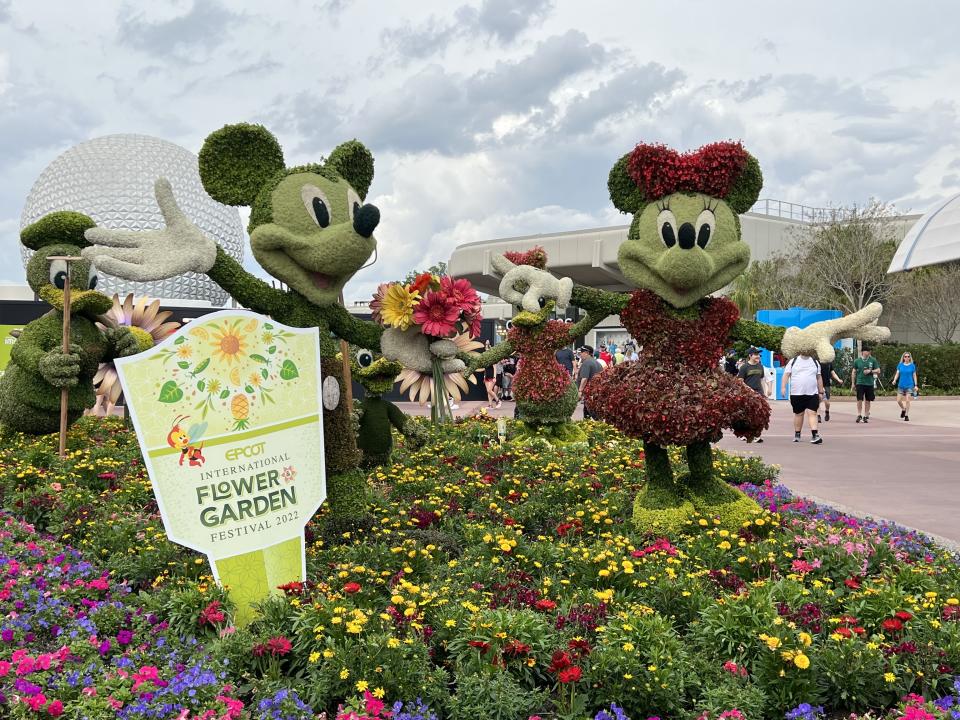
{"x": 794, "y": 211}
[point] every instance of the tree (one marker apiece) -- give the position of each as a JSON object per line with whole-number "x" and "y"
{"x": 764, "y": 285}
{"x": 842, "y": 262}
{"x": 439, "y": 269}
{"x": 929, "y": 296}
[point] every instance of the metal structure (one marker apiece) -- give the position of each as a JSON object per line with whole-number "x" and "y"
{"x": 111, "y": 179}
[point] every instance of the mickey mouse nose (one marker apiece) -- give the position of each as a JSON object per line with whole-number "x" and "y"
{"x": 687, "y": 236}
{"x": 366, "y": 219}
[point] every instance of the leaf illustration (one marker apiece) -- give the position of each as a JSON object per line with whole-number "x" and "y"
{"x": 288, "y": 371}
{"x": 201, "y": 367}
{"x": 170, "y": 393}
{"x": 201, "y": 385}
{"x": 272, "y": 349}
{"x": 249, "y": 389}
{"x": 179, "y": 340}
{"x": 264, "y": 373}
{"x": 259, "y": 358}
{"x": 268, "y": 326}
{"x": 183, "y": 364}
{"x": 224, "y": 395}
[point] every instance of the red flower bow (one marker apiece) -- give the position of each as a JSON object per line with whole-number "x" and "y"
{"x": 712, "y": 170}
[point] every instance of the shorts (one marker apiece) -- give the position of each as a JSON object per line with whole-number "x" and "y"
{"x": 904, "y": 391}
{"x": 865, "y": 392}
{"x": 800, "y": 403}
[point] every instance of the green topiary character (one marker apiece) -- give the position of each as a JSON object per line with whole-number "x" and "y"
{"x": 30, "y": 387}
{"x": 309, "y": 228}
{"x": 683, "y": 245}
{"x": 375, "y": 438}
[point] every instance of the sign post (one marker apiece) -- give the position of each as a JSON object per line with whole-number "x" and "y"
{"x": 228, "y": 414}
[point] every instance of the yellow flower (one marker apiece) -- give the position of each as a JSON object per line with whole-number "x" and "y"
{"x": 725, "y": 545}
{"x": 604, "y": 596}
{"x": 889, "y": 677}
{"x": 379, "y": 693}
{"x": 801, "y": 661}
{"x": 393, "y": 643}
{"x": 806, "y": 639}
{"x": 228, "y": 343}
{"x": 344, "y": 674}
{"x": 362, "y": 685}
{"x": 628, "y": 647}
{"x": 773, "y": 642}
{"x": 397, "y": 306}
{"x": 328, "y": 653}
{"x": 314, "y": 656}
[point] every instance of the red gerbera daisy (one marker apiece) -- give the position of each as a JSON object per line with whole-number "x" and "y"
{"x": 436, "y": 315}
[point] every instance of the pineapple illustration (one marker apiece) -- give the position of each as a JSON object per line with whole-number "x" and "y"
{"x": 240, "y": 408}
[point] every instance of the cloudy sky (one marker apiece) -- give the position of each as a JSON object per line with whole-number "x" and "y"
{"x": 491, "y": 118}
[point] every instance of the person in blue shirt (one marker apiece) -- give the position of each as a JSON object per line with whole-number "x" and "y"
{"x": 907, "y": 383}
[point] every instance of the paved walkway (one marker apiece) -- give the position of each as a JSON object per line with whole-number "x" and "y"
{"x": 908, "y": 472}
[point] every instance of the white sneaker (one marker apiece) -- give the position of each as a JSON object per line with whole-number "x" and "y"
{"x": 454, "y": 406}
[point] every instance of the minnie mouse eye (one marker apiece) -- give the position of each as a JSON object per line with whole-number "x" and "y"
{"x": 667, "y": 224}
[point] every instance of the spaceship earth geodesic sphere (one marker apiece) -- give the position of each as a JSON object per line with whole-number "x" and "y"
{"x": 111, "y": 179}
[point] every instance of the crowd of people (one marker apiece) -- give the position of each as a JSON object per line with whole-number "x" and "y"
{"x": 806, "y": 380}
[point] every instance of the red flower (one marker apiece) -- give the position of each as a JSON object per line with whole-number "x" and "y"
{"x": 903, "y": 615}
{"x": 852, "y": 583}
{"x": 292, "y": 588}
{"x": 571, "y": 674}
{"x": 892, "y": 624}
{"x": 421, "y": 283}
{"x": 560, "y": 660}
{"x": 951, "y": 612}
{"x": 377, "y": 302}
{"x": 275, "y": 646}
{"x": 211, "y": 614}
{"x": 480, "y": 645}
{"x": 544, "y": 605}
{"x": 461, "y": 293}
{"x": 844, "y": 632}
{"x": 351, "y": 587}
{"x": 515, "y": 648}
{"x": 436, "y": 315}
{"x": 581, "y": 648}
{"x": 712, "y": 170}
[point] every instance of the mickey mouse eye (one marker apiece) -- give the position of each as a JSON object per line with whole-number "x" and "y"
{"x": 353, "y": 203}
{"x": 92, "y": 278}
{"x": 317, "y": 205}
{"x": 706, "y": 222}
{"x": 509, "y": 324}
{"x": 541, "y": 301}
{"x": 58, "y": 274}
{"x": 667, "y": 224}
{"x": 364, "y": 358}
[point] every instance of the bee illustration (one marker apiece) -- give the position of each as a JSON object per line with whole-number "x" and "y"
{"x": 185, "y": 441}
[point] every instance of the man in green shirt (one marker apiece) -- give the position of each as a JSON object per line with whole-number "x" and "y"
{"x": 862, "y": 379}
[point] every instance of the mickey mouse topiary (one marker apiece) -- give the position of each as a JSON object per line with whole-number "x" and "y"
{"x": 309, "y": 228}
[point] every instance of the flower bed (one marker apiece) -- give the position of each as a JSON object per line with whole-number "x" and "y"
{"x": 499, "y": 585}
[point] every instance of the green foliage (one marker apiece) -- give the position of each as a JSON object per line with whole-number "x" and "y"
{"x": 660, "y": 509}
{"x": 750, "y": 332}
{"x": 236, "y": 162}
{"x": 558, "y": 411}
{"x": 738, "y": 469}
{"x": 63, "y": 227}
{"x": 354, "y": 162}
{"x": 493, "y": 696}
{"x": 624, "y": 193}
{"x": 183, "y": 607}
{"x": 746, "y": 189}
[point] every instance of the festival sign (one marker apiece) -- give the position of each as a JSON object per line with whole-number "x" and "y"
{"x": 227, "y": 411}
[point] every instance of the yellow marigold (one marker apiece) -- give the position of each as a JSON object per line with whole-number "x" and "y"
{"x": 801, "y": 661}
{"x": 773, "y": 642}
{"x": 397, "y": 307}
{"x": 806, "y": 639}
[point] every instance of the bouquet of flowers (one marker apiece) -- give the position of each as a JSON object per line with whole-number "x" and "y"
{"x": 440, "y": 308}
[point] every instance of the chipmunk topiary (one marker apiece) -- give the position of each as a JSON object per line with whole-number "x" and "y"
{"x": 683, "y": 245}
{"x": 30, "y": 389}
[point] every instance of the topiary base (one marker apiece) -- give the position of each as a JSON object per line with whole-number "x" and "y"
{"x": 714, "y": 498}
{"x": 662, "y": 509}
{"x": 555, "y": 434}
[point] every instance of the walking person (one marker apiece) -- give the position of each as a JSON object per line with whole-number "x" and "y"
{"x": 863, "y": 378}
{"x": 829, "y": 376}
{"x": 754, "y": 376}
{"x": 806, "y": 390}
{"x": 589, "y": 366}
{"x": 509, "y": 370}
{"x": 630, "y": 353}
{"x": 907, "y": 384}
{"x": 490, "y": 382}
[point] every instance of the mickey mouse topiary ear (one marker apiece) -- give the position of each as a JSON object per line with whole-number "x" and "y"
{"x": 236, "y": 161}
{"x": 746, "y": 188}
{"x": 354, "y": 163}
{"x": 63, "y": 227}
{"x": 626, "y": 196}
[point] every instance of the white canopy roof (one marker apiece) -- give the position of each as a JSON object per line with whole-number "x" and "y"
{"x": 935, "y": 238}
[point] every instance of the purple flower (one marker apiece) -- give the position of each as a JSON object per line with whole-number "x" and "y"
{"x": 7, "y": 635}
{"x": 124, "y": 637}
